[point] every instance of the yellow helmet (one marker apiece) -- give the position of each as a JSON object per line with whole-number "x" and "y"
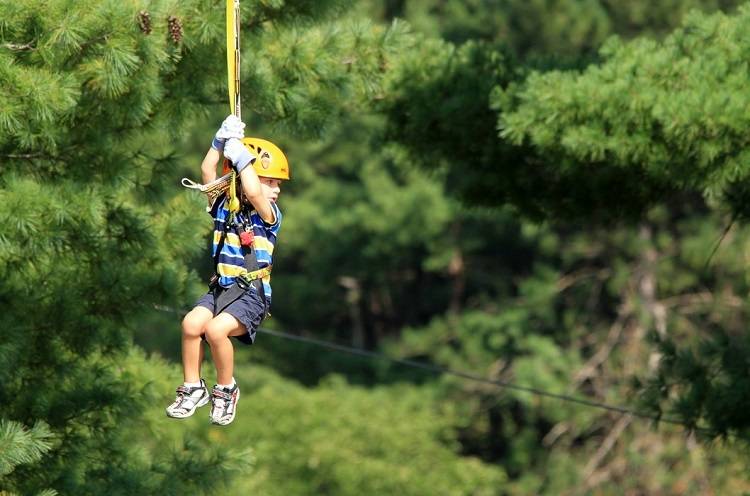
{"x": 271, "y": 161}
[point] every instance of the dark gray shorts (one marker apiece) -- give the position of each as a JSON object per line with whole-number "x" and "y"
{"x": 248, "y": 310}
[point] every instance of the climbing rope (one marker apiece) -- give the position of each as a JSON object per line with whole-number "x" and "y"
{"x": 228, "y": 181}
{"x": 233, "y": 85}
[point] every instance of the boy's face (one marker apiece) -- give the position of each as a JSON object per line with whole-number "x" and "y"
{"x": 271, "y": 188}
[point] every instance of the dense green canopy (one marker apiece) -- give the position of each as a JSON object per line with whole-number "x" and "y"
{"x": 500, "y": 188}
{"x": 674, "y": 111}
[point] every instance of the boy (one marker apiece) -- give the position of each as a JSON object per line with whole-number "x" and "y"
{"x": 240, "y": 293}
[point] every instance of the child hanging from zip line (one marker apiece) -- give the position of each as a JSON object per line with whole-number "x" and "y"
{"x": 239, "y": 293}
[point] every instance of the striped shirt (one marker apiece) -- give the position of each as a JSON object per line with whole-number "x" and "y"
{"x": 231, "y": 261}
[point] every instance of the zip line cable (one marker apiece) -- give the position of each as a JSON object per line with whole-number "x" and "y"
{"x": 438, "y": 370}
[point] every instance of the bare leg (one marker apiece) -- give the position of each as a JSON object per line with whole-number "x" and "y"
{"x": 217, "y": 334}
{"x": 193, "y": 326}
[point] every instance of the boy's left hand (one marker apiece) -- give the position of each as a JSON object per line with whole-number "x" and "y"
{"x": 232, "y": 127}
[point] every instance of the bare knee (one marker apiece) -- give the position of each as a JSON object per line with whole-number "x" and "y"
{"x": 193, "y": 325}
{"x": 215, "y": 332}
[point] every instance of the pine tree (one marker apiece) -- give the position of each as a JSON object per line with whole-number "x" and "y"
{"x": 656, "y": 123}
{"x": 19, "y": 445}
{"x": 671, "y": 111}
{"x": 565, "y": 29}
{"x": 96, "y": 101}
{"x": 640, "y": 146}
{"x": 674, "y": 113}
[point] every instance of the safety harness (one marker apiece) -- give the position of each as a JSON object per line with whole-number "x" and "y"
{"x": 253, "y": 277}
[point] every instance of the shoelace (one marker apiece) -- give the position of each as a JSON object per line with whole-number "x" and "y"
{"x": 221, "y": 399}
{"x": 184, "y": 394}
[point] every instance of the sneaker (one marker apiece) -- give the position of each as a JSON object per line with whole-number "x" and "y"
{"x": 188, "y": 400}
{"x": 224, "y": 404}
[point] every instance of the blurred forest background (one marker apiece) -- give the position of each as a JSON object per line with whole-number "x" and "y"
{"x": 552, "y": 193}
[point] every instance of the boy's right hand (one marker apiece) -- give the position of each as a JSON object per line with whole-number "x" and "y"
{"x": 232, "y": 127}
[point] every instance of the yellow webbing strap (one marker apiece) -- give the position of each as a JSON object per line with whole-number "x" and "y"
{"x": 256, "y": 274}
{"x": 233, "y": 55}
{"x": 234, "y": 201}
{"x": 233, "y": 82}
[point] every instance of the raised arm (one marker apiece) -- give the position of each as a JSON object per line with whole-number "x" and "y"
{"x": 254, "y": 193}
{"x": 208, "y": 166}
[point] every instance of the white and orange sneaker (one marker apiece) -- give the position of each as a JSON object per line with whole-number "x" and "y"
{"x": 224, "y": 404}
{"x": 188, "y": 400}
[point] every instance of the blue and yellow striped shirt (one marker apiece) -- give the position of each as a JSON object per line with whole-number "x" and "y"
{"x": 231, "y": 261}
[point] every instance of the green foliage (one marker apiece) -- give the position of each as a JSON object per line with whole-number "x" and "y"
{"x": 438, "y": 109}
{"x": 377, "y": 245}
{"x": 442, "y": 108}
{"x": 525, "y": 26}
{"x": 94, "y": 232}
{"x": 701, "y": 375}
{"x": 99, "y": 118}
{"x": 578, "y": 326}
{"x": 558, "y": 157}
{"x": 668, "y": 112}
{"x": 704, "y": 382}
{"x": 386, "y": 440}
{"x": 397, "y": 217}
{"x": 303, "y": 78}
{"x": 289, "y": 439}
{"x": 546, "y": 28}
{"x": 21, "y": 445}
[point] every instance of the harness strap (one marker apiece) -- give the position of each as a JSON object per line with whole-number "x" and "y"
{"x": 254, "y": 275}
{"x": 212, "y": 190}
{"x": 223, "y": 297}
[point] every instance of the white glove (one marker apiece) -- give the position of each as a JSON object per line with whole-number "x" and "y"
{"x": 238, "y": 154}
{"x": 232, "y": 127}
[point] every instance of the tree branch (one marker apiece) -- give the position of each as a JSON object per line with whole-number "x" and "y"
{"x": 19, "y": 47}
{"x": 615, "y": 331}
{"x": 26, "y": 155}
{"x": 257, "y": 21}
{"x": 573, "y": 278}
{"x": 604, "y": 449}
{"x": 687, "y": 302}
{"x": 554, "y": 434}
